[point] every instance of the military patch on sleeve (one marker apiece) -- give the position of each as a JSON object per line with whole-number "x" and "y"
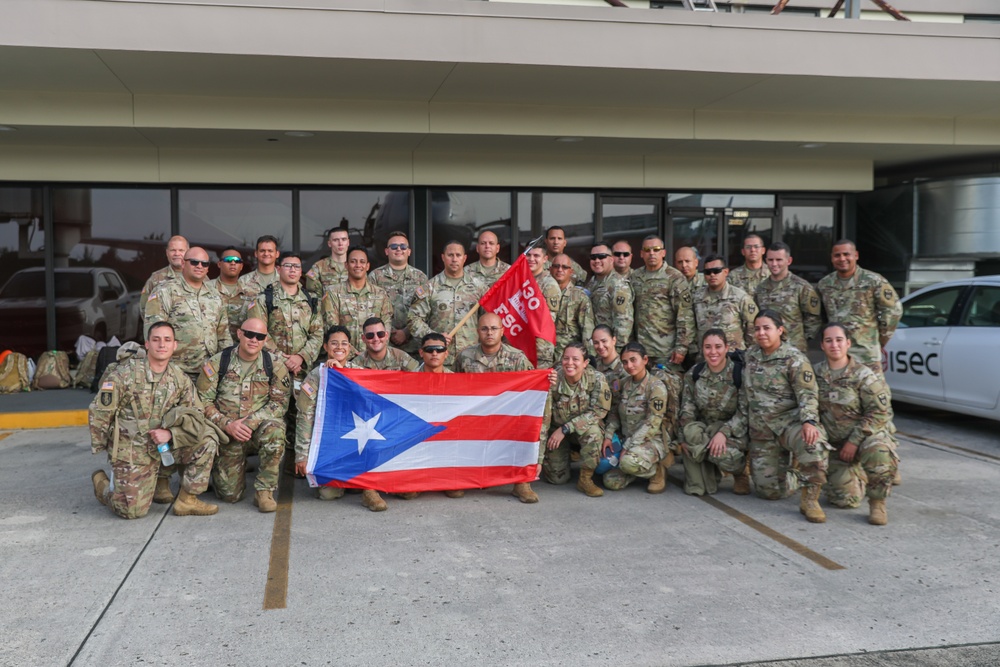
{"x": 108, "y": 386}
{"x": 308, "y": 388}
{"x": 106, "y": 398}
{"x": 620, "y": 300}
{"x": 807, "y": 376}
{"x": 419, "y": 292}
{"x": 607, "y": 394}
{"x": 153, "y": 297}
{"x": 615, "y": 386}
{"x": 311, "y": 273}
{"x": 887, "y": 294}
{"x": 884, "y": 400}
{"x": 208, "y": 370}
{"x": 285, "y": 382}
{"x": 658, "y": 405}
{"x": 814, "y": 301}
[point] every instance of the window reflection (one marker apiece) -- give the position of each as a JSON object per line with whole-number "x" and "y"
{"x": 22, "y": 236}
{"x": 630, "y": 222}
{"x": 369, "y": 216}
{"x": 740, "y": 228}
{"x": 573, "y": 211}
{"x": 696, "y": 230}
{"x": 808, "y": 230}
{"x": 461, "y": 216}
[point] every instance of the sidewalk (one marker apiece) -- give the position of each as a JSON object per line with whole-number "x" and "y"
{"x": 54, "y": 408}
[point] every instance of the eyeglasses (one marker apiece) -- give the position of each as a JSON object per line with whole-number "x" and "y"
{"x": 370, "y": 335}
{"x": 199, "y": 262}
{"x": 435, "y": 349}
{"x": 600, "y": 255}
{"x": 653, "y": 248}
{"x": 713, "y": 271}
{"x": 755, "y": 246}
{"x": 254, "y": 335}
{"x": 621, "y": 253}
{"x": 398, "y": 246}
{"x": 490, "y": 329}
{"x": 292, "y": 267}
{"x": 232, "y": 260}
{"x": 561, "y": 267}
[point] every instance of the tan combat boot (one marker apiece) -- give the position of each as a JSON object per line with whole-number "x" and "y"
{"x": 876, "y": 512}
{"x": 329, "y": 493}
{"x": 524, "y": 493}
{"x": 163, "y": 495}
{"x": 809, "y": 506}
{"x": 586, "y": 483}
{"x": 455, "y": 493}
{"x": 668, "y": 460}
{"x": 373, "y": 501}
{"x": 410, "y": 495}
{"x": 897, "y": 479}
{"x": 101, "y": 486}
{"x": 189, "y": 505}
{"x": 264, "y": 501}
{"x": 658, "y": 482}
{"x": 741, "y": 481}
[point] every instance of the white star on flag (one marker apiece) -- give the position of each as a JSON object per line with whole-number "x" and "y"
{"x": 363, "y": 431}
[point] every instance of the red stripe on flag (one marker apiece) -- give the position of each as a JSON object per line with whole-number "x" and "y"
{"x": 494, "y": 427}
{"x": 453, "y": 384}
{"x": 441, "y": 479}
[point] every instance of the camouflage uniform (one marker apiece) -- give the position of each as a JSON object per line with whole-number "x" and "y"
{"x": 867, "y": 305}
{"x": 612, "y": 301}
{"x": 748, "y": 279}
{"x": 305, "y": 404}
{"x": 441, "y": 304}
{"x": 155, "y": 280}
{"x": 132, "y": 402}
{"x": 579, "y": 273}
{"x": 668, "y": 424}
{"x": 730, "y": 309}
{"x": 394, "y": 360}
{"x": 402, "y": 287}
{"x": 711, "y": 405}
{"x": 350, "y": 307}
{"x": 798, "y": 304}
{"x": 695, "y": 281}
{"x": 237, "y": 299}
{"x": 292, "y": 326}
{"x": 255, "y": 281}
{"x": 614, "y": 373}
{"x": 324, "y": 274}
{"x": 582, "y": 407}
{"x": 546, "y": 351}
{"x": 201, "y": 324}
{"x": 781, "y": 396}
{"x": 473, "y": 360}
{"x": 263, "y": 403}
{"x": 664, "y": 318}
{"x": 488, "y": 275}
{"x": 854, "y": 408}
{"x": 638, "y": 416}
{"x": 574, "y": 321}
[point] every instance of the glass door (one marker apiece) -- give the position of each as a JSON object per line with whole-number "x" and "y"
{"x": 739, "y": 224}
{"x": 697, "y": 228}
{"x": 630, "y": 219}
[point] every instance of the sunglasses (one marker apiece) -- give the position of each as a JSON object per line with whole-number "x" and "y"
{"x": 199, "y": 262}
{"x": 712, "y": 272}
{"x": 232, "y": 260}
{"x": 370, "y": 335}
{"x": 253, "y": 335}
{"x": 600, "y": 255}
{"x": 561, "y": 267}
{"x": 435, "y": 349}
{"x": 398, "y": 246}
{"x": 620, "y": 253}
{"x": 654, "y": 248}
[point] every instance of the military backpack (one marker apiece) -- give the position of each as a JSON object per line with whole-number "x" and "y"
{"x": 14, "y": 375}
{"x": 738, "y": 363}
{"x": 52, "y": 371}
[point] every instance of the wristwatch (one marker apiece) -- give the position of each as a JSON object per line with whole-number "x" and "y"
{"x": 565, "y": 429}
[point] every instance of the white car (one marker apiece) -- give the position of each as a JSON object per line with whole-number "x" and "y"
{"x": 946, "y": 351}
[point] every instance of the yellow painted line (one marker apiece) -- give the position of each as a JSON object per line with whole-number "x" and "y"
{"x": 51, "y": 419}
{"x": 276, "y": 590}
{"x": 4, "y": 435}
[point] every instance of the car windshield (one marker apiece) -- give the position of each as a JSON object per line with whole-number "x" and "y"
{"x": 31, "y": 285}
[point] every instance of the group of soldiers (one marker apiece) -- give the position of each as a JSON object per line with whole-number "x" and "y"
{"x": 633, "y": 384}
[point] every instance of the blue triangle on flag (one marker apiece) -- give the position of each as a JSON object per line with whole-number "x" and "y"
{"x": 361, "y": 430}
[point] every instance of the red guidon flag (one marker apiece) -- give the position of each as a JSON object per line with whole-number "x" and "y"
{"x": 516, "y": 298}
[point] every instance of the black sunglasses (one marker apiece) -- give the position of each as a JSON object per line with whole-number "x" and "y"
{"x": 370, "y": 335}
{"x": 435, "y": 349}
{"x": 199, "y": 262}
{"x": 621, "y": 253}
{"x": 713, "y": 271}
{"x": 254, "y": 335}
{"x": 600, "y": 255}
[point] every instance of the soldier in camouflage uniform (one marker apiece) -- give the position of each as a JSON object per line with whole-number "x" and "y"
{"x": 330, "y": 271}
{"x": 488, "y": 267}
{"x": 236, "y": 297}
{"x": 400, "y": 281}
{"x": 535, "y": 259}
{"x": 608, "y": 362}
{"x": 664, "y": 319}
{"x": 754, "y": 270}
{"x": 575, "y": 315}
{"x": 555, "y": 244}
{"x": 126, "y": 421}
{"x": 249, "y": 407}
{"x": 783, "y": 417}
{"x": 622, "y": 250}
{"x": 854, "y": 409}
{"x": 266, "y": 254}
{"x": 637, "y": 416}
{"x": 353, "y": 301}
{"x": 790, "y": 296}
{"x": 434, "y": 352}
{"x": 686, "y": 261}
{"x": 177, "y": 246}
{"x": 610, "y": 295}
{"x": 713, "y": 425}
{"x": 445, "y": 300}
{"x": 578, "y": 403}
{"x": 377, "y": 355}
{"x": 720, "y": 305}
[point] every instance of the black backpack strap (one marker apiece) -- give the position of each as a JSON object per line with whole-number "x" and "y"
{"x": 311, "y": 298}
{"x": 227, "y": 355}
{"x": 269, "y": 298}
{"x": 268, "y": 365}
{"x": 697, "y": 369}
{"x": 737, "y": 374}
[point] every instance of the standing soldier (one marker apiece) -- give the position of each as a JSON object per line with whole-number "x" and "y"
{"x": 753, "y": 271}
{"x": 790, "y": 296}
{"x": 610, "y": 295}
{"x": 686, "y": 261}
{"x": 721, "y": 305}
{"x": 377, "y": 355}
{"x": 353, "y": 301}
{"x": 535, "y": 259}
{"x": 176, "y": 247}
{"x": 489, "y": 267}
{"x": 664, "y": 319}
{"x": 129, "y": 419}
{"x": 555, "y": 244}
{"x": 445, "y": 300}
{"x": 622, "y": 250}
{"x": 400, "y": 281}
{"x": 575, "y": 317}
{"x": 237, "y": 298}
{"x": 245, "y": 394}
{"x": 266, "y": 253}
{"x": 330, "y": 270}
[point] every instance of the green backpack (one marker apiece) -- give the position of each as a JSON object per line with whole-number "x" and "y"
{"x": 14, "y": 374}
{"x": 52, "y": 371}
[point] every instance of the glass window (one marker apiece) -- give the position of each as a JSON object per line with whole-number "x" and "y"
{"x": 460, "y": 216}
{"x": 698, "y": 230}
{"x": 808, "y": 229}
{"x": 984, "y": 309}
{"x": 22, "y": 235}
{"x": 629, "y": 221}
{"x": 738, "y": 228}
{"x": 573, "y": 211}
{"x": 369, "y": 216}
{"x": 932, "y": 309}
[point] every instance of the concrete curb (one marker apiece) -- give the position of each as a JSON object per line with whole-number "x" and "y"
{"x": 46, "y": 419}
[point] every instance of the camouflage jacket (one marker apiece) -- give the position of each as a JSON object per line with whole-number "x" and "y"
{"x": 671, "y": 413}
{"x": 868, "y": 305}
{"x": 131, "y": 402}
{"x": 401, "y": 287}
{"x": 235, "y": 396}
{"x": 488, "y": 275}
{"x": 292, "y": 327}
{"x": 714, "y": 398}
{"x": 797, "y": 303}
{"x": 237, "y": 299}
{"x": 747, "y": 279}
{"x": 473, "y": 360}
{"x": 574, "y": 320}
{"x": 638, "y": 413}
{"x": 664, "y": 318}
{"x": 730, "y": 309}
{"x": 155, "y": 280}
{"x": 614, "y": 373}
{"x": 350, "y": 307}
{"x": 854, "y": 403}
{"x": 612, "y": 301}
{"x": 579, "y": 273}
{"x": 441, "y": 304}
{"x": 579, "y": 406}
{"x": 256, "y": 281}
{"x": 325, "y": 274}
{"x": 394, "y": 360}
{"x": 780, "y": 388}
{"x": 305, "y": 406}
{"x": 201, "y": 323}
{"x": 549, "y": 288}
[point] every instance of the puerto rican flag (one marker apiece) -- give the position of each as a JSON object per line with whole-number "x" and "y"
{"x": 398, "y": 432}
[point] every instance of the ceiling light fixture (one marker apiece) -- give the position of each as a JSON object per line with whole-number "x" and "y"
{"x": 569, "y": 140}
{"x": 298, "y": 133}
{"x": 7, "y": 128}
{"x": 812, "y": 145}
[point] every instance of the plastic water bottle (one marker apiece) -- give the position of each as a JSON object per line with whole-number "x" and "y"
{"x": 165, "y": 456}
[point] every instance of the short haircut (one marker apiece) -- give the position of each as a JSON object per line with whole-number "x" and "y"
{"x": 454, "y": 242}
{"x": 780, "y": 245}
{"x": 291, "y": 255}
{"x": 358, "y": 248}
{"x": 622, "y": 241}
{"x": 402, "y": 234}
{"x": 714, "y": 331}
{"x": 371, "y": 321}
{"x": 159, "y": 325}
{"x": 266, "y": 238}
{"x": 229, "y": 250}
{"x": 635, "y": 346}
{"x": 600, "y": 245}
{"x": 715, "y": 257}
{"x": 845, "y": 242}
{"x": 754, "y": 235}
{"x": 339, "y": 228}
{"x": 772, "y": 315}
{"x": 337, "y": 328}
{"x": 434, "y": 335}
{"x": 554, "y": 228}
{"x": 651, "y": 237}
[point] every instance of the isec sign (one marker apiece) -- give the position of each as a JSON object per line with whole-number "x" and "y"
{"x": 902, "y": 361}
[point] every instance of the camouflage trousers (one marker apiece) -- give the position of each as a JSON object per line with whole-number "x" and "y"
{"x": 133, "y": 475}
{"x": 229, "y": 473}
{"x": 770, "y": 466}
{"x": 555, "y": 465}
{"x": 637, "y": 461}
{"x": 702, "y": 471}
{"x": 869, "y": 474}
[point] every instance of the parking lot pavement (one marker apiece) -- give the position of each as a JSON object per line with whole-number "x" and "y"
{"x": 624, "y": 579}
